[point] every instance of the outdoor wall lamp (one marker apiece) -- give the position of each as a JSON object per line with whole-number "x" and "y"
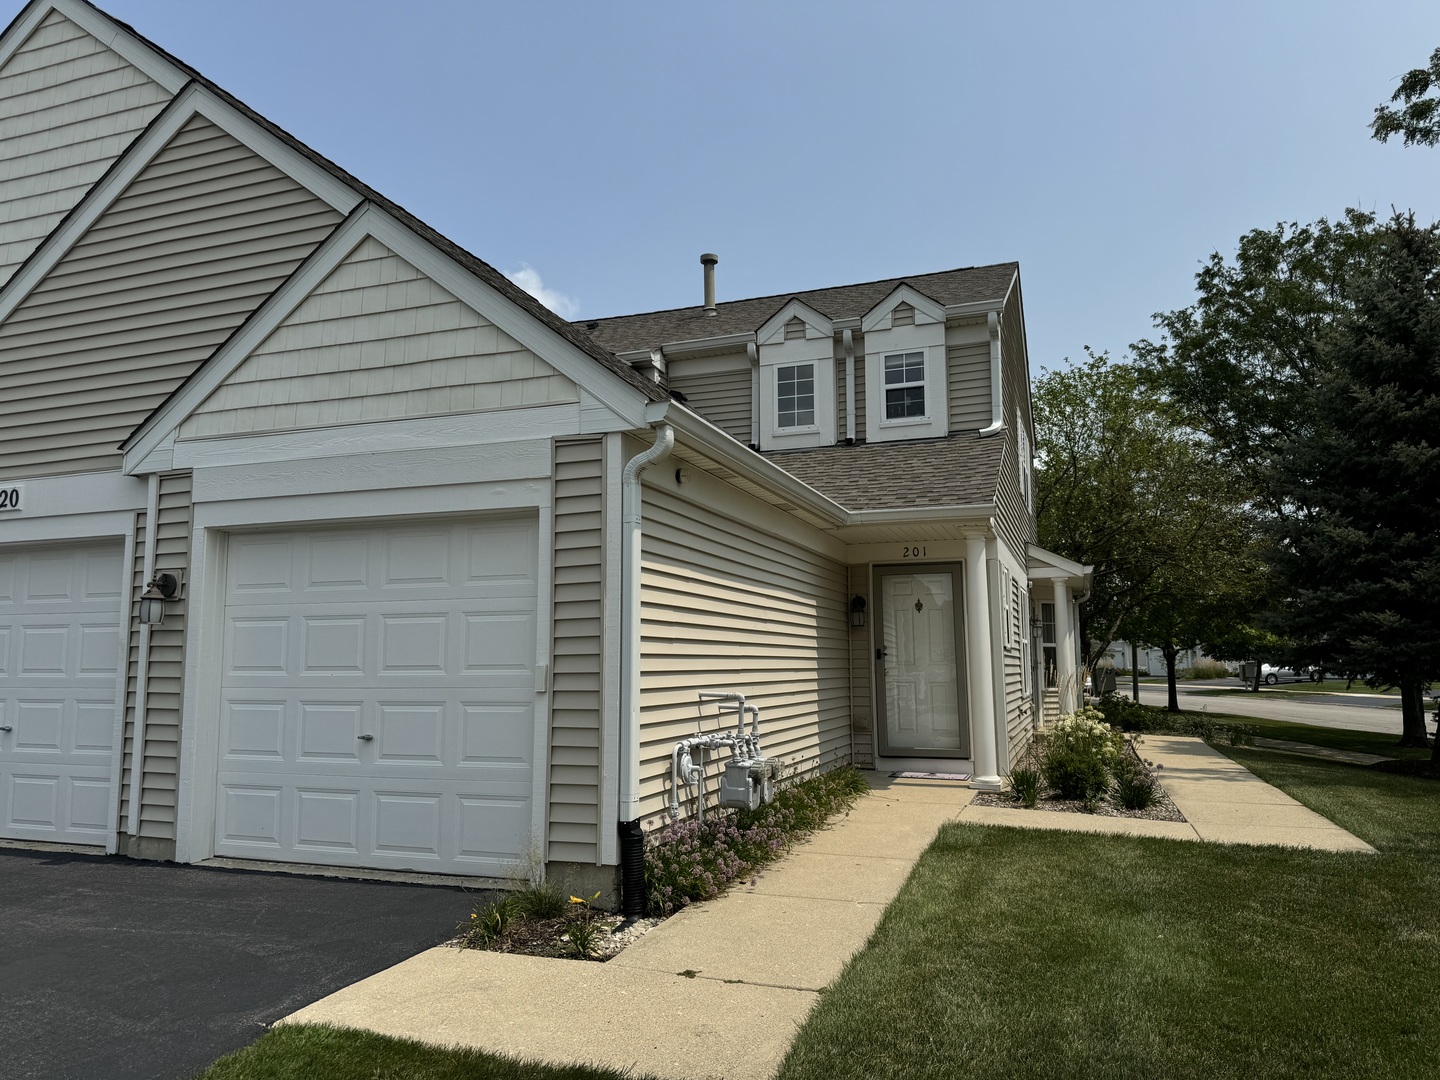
{"x": 152, "y": 600}
{"x": 857, "y": 611}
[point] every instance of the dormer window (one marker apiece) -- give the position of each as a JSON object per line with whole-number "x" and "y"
{"x": 795, "y": 396}
{"x": 904, "y": 385}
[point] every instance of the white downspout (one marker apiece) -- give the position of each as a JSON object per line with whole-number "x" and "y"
{"x": 849, "y": 339}
{"x": 630, "y": 506}
{"x": 142, "y": 666}
{"x": 997, "y": 389}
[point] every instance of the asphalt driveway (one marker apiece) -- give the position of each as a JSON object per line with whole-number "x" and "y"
{"x": 112, "y": 968}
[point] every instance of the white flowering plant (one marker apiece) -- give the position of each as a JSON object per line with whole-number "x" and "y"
{"x": 1079, "y": 754}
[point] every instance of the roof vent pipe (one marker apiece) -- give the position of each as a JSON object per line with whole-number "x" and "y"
{"x": 708, "y": 261}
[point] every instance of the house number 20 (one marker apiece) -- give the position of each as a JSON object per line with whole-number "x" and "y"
{"x": 9, "y": 498}
{"x": 914, "y": 552}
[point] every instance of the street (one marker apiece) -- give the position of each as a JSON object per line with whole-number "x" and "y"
{"x": 1324, "y": 710}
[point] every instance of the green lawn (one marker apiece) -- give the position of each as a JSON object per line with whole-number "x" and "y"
{"x": 1028, "y": 954}
{"x": 1365, "y": 742}
{"x": 1020, "y": 954}
{"x": 309, "y": 1052}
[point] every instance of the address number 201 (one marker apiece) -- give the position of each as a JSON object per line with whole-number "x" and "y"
{"x": 10, "y": 498}
{"x": 914, "y": 552}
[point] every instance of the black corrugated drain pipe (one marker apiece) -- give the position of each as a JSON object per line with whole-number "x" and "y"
{"x": 632, "y": 869}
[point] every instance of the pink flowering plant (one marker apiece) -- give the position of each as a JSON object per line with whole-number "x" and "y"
{"x": 698, "y": 860}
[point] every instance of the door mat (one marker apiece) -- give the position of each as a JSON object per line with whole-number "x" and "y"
{"x": 930, "y": 776}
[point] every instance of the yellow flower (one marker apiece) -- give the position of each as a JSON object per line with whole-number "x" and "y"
{"x": 576, "y": 900}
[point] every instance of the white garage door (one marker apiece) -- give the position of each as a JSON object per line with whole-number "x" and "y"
{"x": 59, "y": 663}
{"x": 378, "y": 697}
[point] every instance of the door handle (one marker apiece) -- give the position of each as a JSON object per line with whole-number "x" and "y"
{"x": 6, "y": 727}
{"x": 880, "y": 654}
{"x": 366, "y": 738}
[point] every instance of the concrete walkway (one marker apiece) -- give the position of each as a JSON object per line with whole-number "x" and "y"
{"x": 720, "y": 989}
{"x": 1325, "y": 753}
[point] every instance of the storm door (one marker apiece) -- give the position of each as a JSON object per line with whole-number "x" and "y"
{"x": 919, "y": 662}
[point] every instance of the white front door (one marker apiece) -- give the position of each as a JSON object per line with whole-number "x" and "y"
{"x": 919, "y": 663}
{"x": 59, "y": 657}
{"x": 378, "y": 696}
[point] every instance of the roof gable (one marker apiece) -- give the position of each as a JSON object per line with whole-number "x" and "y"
{"x": 773, "y": 328}
{"x": 926, "y": 310}
{"x": 376, "y": 340}
{"x": 195, "y": 237}
{"x": 516, "y": 324}
{"x": 69, "y": 106}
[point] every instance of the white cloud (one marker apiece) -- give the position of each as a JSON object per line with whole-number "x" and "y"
{"x": 528, "y": 278}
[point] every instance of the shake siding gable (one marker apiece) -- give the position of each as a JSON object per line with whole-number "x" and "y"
{"x": 378, "y": 340}
{"x": 726, "y": 606}
{"x": 575, "y": 706}
{"x": 69, "y": 106}
{"x": 203, "y": 234}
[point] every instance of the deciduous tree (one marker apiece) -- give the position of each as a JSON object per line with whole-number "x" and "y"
{"x": 1418, "y": 115}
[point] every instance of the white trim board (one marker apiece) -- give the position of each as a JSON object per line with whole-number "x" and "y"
{"x": 369, "y": 220}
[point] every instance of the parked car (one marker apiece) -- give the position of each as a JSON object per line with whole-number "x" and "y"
{"x": 1270, "y": 674}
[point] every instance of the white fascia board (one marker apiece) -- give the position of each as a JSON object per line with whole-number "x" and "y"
{"x": 194, "y": 100}
{"x": 724, "y": 341}
{"x": 1042, "y": 561}
{"x": 76, "y": 493}
{"x": 773, "y": 328}
{"x": 908, "y": 294}
{"x": 969, "y": 514}
{"x": 974, "y": 307}
{"x": 722, "y": 447}
{"x": 583, "y": 370}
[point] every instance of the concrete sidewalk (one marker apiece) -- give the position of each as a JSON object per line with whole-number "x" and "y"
{"x": 720, "y": 989}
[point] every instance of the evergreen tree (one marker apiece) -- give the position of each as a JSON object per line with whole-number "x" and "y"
{"x": 1359, "y": 541}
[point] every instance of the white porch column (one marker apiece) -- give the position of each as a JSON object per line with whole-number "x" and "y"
{"x": 1065, "y": 650}
{"x": 979, "y": 665}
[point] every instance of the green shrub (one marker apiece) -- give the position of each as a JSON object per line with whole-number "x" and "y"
{"x": 1135, "y": 788}
{"x": 1025, "y": 786}
{"x": 488, "y": 923}
{"x": 1076, "y": 774}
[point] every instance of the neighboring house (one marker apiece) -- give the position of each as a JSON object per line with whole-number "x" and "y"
{"x": 430, "y": 609}
{"x": 1152, "y": 661}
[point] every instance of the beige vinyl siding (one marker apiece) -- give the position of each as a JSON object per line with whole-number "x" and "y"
{"x": 204, "y": 233}
{"x": 160, "y": 755}
{"x": 862, "y": 668}
{"x": 718, "y": 388}
{"x": 902, "y": 315}
{"x": 969, "y": 371}
{"x": 725, "y": 606}
{"x": 859, "y": 394}
{"x": 1017, "y": 709}
{"x": 575, "y": 700}
{"x": 69, "y": 107}
{"x": 377, "y": 340}
{"x": 1014, "y": 520}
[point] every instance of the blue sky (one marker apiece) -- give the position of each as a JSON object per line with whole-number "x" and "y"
{"x": 1108, "y": 147}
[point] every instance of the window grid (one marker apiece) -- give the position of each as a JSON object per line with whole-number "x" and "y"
{"x": 795, "y": 396}
{"x": 904, "y": 385}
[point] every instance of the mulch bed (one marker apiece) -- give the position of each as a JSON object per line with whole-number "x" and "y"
{"x": 546, "y": 937}
{"x": 1162, "y": 809}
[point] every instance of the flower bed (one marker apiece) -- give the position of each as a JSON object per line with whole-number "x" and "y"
{"x": 685, "y": 862}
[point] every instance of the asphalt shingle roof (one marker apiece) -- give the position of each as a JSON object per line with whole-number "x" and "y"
{"x": 651, "y": 329}
{"x": 955, "y": 471}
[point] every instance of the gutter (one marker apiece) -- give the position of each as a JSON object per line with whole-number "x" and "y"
{"x": 997, "y": 389}
{"x": 632, "y": 836}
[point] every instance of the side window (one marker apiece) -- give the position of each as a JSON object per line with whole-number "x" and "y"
{"x": 795, "y": 396}
{"x": 904, "y": 385}
{"x": 1026, "y": 481}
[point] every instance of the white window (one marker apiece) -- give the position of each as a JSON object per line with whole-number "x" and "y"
{"x": 904, "y": 385}
{"x": 795, "y": 396}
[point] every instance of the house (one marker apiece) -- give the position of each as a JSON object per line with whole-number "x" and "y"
{"x": 322, "y": 543}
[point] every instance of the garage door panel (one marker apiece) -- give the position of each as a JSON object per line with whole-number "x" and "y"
{"x": 422, "y": 638}
{"x": 89, "y": 804}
